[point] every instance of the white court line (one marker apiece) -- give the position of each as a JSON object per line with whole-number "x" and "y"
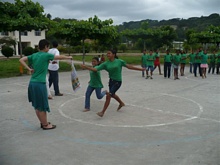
{"x": 136, "y": 126}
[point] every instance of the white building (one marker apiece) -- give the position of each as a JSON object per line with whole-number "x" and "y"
{"x": 28, "y": 38}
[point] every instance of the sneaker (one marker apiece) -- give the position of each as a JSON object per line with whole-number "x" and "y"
{"x": 151, "y": 77}
{"x": 59, "y": 94}
{"x": 147, "y": 77}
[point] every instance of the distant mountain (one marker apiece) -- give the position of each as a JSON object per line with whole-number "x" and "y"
{"x": 180, "y": 25}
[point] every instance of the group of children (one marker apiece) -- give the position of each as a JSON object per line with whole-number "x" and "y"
{"x": 198, "y": 61}
{"x": 37, "y": 92}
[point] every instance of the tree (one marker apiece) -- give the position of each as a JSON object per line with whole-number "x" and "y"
{"x": 93, "y": 29}
{"x": 22, "y": 16}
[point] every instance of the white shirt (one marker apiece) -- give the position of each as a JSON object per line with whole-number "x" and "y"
{"x": 55, "y": 52}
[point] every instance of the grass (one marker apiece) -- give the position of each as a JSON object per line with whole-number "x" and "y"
{"x": 10, "y": 67}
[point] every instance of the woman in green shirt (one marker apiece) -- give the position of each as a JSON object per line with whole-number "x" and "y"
{"x": 204, "y": 65}
{"x": 37, "y": 91}
{"x": 95, "y": 83}
{"x": 114, "y": 68}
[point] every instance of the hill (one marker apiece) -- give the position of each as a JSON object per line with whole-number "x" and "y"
{"x": 179, "y": 24}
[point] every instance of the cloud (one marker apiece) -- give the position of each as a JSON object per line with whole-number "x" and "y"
{"x": 129, "y": 10}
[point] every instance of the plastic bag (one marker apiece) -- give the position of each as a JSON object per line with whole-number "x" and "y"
{"x": 74, "y": 78}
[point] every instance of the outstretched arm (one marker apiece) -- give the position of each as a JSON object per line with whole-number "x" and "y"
{"x": 62, "y": 57}
{"x": 134, "y": 68}
{"x": 88, "y": 68}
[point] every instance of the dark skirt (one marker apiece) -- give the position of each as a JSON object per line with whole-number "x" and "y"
{"x": 37, "y": 94}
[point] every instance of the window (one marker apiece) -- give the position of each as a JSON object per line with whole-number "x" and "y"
{"x": 4, "y": 33}
{"x": 25, "y": 33}
{"x": 38, "y": 33}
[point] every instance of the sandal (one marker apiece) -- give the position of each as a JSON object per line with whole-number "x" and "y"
{"x": 41, "y": 125}
{"x": 45, "y": 127}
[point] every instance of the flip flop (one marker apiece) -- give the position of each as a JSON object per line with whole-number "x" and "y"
{"x": 44, "y": 127}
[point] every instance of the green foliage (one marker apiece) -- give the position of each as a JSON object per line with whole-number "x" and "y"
{"x": 180, "y": 25}
{"x": 122, "y": 47}
{"x": 7, "y": 51}
{"x": 28, "y": 51}
{"x": 7, "y": 41}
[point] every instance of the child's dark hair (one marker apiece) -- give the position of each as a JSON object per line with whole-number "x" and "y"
{"x": 43, "y": 43}
{"x": 114, "y": 52}
{"x": 55, "y": 44}
{"x": 97, "y": 59}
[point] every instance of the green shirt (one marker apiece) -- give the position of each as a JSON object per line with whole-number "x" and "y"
{"x": 198, "y": 58}
{"x": 191, "y": 57}
{"x": 114, "y": 68}
{"x": 39, "y": 62}
{"x": 183, "y": 58}
{"x": 95, "y": 79}
{"x": 204, "y": 59}
{"x": 167, "y": 58}
{"x": 218, "y": 58}
{"x": 176, "y": 59}
{"x": 150, "y": 60}
{"x": 144, "y": 59}
{"x": 212, "y": 58}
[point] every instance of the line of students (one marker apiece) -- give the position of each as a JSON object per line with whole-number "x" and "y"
{"x": 172, "y": 63}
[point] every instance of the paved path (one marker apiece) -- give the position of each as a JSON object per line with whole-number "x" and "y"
{"x": 164, "y": 122}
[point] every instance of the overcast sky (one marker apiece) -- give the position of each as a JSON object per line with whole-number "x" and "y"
{"x": 129, "y": 10}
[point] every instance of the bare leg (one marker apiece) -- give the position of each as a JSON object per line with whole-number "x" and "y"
{"x": 42, "y": 116}
{"x": 121, "y": 103}
{"x": 159, "y": 70}
{"x": 107, "y": 102}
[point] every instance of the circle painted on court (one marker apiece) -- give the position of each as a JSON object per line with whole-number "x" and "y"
{"x": 160, "y": 110}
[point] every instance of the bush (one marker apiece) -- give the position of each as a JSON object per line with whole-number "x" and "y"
{"x": 7, "y": 51}
{"x": 28, "y": 51}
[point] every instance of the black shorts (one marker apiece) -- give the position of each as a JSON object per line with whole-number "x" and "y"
{"x": 114, "y": 86}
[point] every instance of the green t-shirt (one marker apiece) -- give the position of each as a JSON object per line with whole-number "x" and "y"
{"x": 167, "y": 58}
{"x": 191, "y": 57}
{"x": 144, "y": 59}
{"x": 183, "y": 58}
{"x": 150, "y": 60}
{"x": 176, "y": 59}
{"x": 39, "y": 62}
{"x": 212, "y": 58}
{"x": 204, "y": 59}
{"x": 218, "y": 58}
{"x": 114, "y": 68}
{"x": 198, "y": 58}
{"x": 95, "y": 79}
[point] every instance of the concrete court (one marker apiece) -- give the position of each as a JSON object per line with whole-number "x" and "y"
{"x": 164, "y": 122}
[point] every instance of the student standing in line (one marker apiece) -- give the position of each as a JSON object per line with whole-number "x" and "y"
{"x": 37, "y": 91}
{"x": 53, "y": 70}
{"x": 176, "y": 61}
{"x": 167, "y": 64}
{"x": 157, "y": 62}
{"x": 150, "y": 64}
{"x": 182, "y": 63}
{"x": 114, "y": 67}
{"x": 218, "y": 63}
{"x": 191, "y": 61}
{"x": 204, "y": 65}
{"x": 212, "y": 59}
{"x": 144, "y": 63}
{"x": 95, "y": 83}
{"x": 197, "y": 63}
